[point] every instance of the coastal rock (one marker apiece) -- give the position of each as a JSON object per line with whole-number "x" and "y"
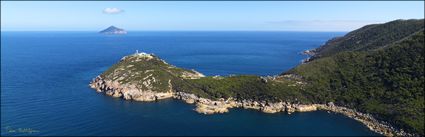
{"x": 273, "y": 107}
{"x": 128, "y": 92}
{"x": 211, "y": 109}
{"x": 190, "y": 101}
{"x": 247, "y": 104}
{"x": 305, "y": 108}
{"x": 289, "y": 109}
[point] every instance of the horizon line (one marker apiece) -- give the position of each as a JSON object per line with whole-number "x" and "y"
{"x": 179, "y": 30}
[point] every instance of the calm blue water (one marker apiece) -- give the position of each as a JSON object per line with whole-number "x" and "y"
{"x": 45, "y": 76}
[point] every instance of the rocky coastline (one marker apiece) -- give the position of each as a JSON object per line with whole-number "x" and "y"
{"x": 208, "y": 106}
{"x": 127, "y": 91}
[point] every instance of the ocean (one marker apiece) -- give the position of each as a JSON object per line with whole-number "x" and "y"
{"x": 45, "y": 77}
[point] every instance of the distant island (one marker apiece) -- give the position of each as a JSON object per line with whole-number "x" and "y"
{"x": 113, "y": 30}
{"x": 374, "y": 75}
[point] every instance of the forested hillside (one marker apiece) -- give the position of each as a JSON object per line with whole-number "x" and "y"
{"x": 370, "y": 37}
{"x": 378, "y": 69}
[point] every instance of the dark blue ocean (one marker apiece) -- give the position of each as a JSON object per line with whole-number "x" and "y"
{"x": 45, "y": 77}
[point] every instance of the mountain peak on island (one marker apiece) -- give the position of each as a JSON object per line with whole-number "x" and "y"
{"x": 113, "y": 30}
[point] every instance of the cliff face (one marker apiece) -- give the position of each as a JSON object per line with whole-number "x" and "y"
{"x": 127, "y": 91}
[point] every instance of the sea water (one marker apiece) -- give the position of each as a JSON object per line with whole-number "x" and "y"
{"x": 45, "y": 77}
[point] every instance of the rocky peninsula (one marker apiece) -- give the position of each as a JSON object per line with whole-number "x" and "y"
{"x": 374, "y": 75}
{"x": 145, "y": 77}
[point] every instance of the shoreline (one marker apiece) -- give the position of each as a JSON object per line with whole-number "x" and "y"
{"x": 208, "y": 106}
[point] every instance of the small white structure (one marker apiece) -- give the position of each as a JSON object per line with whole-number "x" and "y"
{"x": 143, "y": 54}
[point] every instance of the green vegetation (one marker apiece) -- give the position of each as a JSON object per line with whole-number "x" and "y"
{"x": 146, "y": 72}
{"x": 377, "y": 69}
{"x": 387, "y": 82}
{"x": 370, "y": 37}
{"x": 248, "y": 87}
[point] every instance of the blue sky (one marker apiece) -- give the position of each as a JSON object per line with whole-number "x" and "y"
{"x": 203, "y": 15}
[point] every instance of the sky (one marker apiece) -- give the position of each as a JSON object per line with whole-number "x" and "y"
{"x": 203, "y": 15}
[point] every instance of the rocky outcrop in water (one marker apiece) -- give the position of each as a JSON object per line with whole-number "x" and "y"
{"x": 113, "y": 30}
